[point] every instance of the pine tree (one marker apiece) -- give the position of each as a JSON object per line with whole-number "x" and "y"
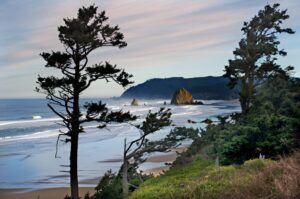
{"x": 256, "y": 55}
{"x": 80, "y": 36}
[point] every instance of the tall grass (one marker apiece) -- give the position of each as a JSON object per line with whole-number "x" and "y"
{"x": 201, "y": 179}
{"x": 279, "y": 180}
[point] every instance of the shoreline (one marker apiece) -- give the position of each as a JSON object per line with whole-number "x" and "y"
{"x": 48, "y": 193}
{"x": 61, "y": 192}
{"x": 58, "y": 192}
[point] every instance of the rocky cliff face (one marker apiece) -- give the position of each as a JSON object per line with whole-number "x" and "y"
{"x": 182, "y": 96}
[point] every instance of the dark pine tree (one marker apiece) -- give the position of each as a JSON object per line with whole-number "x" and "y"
{"x": 255, "y": 57}
{"x": 80, "y": 36}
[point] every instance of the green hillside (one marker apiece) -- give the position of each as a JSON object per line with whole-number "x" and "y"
{"x": 201, "y": 178}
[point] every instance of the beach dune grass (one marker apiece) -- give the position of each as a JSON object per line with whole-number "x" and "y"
{"x": 203, "y": 179}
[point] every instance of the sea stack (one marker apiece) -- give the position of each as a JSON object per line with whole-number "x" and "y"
{"x": 182, "y": 96}
{"x": 134, "y": 102}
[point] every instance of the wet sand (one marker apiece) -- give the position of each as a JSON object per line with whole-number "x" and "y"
{"x": 50, "y": 193}
{"x": 60, "y": 193}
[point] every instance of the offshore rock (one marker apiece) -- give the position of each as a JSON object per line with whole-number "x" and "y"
{"x": 134, "y": 102}
{"x": 184, "y": 97}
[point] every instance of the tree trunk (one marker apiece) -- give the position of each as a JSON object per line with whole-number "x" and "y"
{"x": 75, "y": 133}
{"x": 74, "y": 152}
{"x": 243, "y": 99}
{"x": 125, "y": 174}
{"x": 73, "y": 166}
{"x": 246, "y": 96}
{"x": 125, "y": 180}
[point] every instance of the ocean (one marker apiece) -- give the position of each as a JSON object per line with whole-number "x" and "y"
{"x": 28, "y": 134}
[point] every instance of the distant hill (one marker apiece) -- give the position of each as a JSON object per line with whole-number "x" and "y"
{"x": 200, "y": 87}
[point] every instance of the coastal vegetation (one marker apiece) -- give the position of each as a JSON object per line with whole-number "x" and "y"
{"x": 255, "y": 58}
{"x": 202, "y": 178}
{"x": 80, "y": 37}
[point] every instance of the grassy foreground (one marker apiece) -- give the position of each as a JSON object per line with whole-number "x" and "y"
{"x": 202, "y": 179}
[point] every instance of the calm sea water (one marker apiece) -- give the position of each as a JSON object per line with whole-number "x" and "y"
{"x": 28, "y": 133}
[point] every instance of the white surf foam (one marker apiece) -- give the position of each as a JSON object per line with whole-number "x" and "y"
{"x": 113, "y": 129}
{"x": 188, "y": 113}
{"x": 37, "y": 135}
{"x": 13, "y": 122}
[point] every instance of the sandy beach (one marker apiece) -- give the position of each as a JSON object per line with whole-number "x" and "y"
{"x": 61, "y": 192}
{"x": 50, "y": 193}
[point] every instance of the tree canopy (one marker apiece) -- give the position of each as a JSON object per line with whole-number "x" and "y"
{"x": 80, "y": 36}
{"x": 255, "y": 58}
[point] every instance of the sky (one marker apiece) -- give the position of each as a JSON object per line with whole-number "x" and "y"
{"x": 166, "y": 38}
